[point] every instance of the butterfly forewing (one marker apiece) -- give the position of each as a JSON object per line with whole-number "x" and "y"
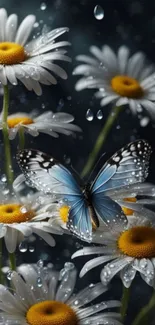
{"x": 127, "y": 166}
{"x": 49, "y": 176}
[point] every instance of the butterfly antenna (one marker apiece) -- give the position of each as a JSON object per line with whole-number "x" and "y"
{"x": 90, "y": 176}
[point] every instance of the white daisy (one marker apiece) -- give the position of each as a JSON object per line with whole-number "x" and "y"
{"x": 134, "y": 199}
{"x": 24, "y": 215}
{"x": 47, "y": 122}
{"x": 51, "y": 300}
{"x": 120, "y": 79}
{"x": 127, "y": 249}
{"x": 29, "y": 62}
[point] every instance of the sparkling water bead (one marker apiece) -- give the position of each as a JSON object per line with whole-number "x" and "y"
{"x": 98, "y": 12}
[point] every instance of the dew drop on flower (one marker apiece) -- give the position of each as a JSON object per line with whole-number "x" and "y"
{"x": 144, "y": 121}
{"x": 99, "y": 115}
{"x": 39, "y": 282}
{"x": 98, "y": 12}
{"x": 40, "y": 263}
{"x": 89, "y": 115}
{"x": 9, "y": 275}
{"x": 43, "y": 6}
{"x": 23, "y": 247}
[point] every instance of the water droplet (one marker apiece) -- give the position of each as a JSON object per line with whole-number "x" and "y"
{"x": 69, "y": 266}
{"x": 36, "y": 25}
{"x": 43, "y": 6}
{"x": 23, "y": 247}
{"x": 99, "y": 115}
{"x": 98, "y": 12}
{"x": 144, "y": 121}
{"x": 9, "y": 275}
{"x": 89, "y": 115}
{"x": 3, "y": 178}
{"x": 67, "y": 159}
{"x": 31, "y": 249}
{"x": 39, "y": 282}
{"x": 40, "y": 263}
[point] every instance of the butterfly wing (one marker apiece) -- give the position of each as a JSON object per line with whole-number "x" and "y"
{"x": 127, "y": 166}
{"x": 49, "y": 176}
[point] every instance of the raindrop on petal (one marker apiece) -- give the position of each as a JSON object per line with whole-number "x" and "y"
{"x": 89, "y": 115}
{"x": 99, "y": 115}
{"x": 98, "y": 12}
{"x": 23, "y": 247}
{"x": 39, "y": 282}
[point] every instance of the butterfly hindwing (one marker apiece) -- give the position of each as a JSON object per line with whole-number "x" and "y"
{"x": 49, "y": 176}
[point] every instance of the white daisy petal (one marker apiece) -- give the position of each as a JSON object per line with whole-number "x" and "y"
{"x": 111, "y": 269}
{"x": 109, "y": 59}
{"x": 11, "y": 239}
{"x": 3, "y": 19}
{"x": 123, "y": 55}
{"x": 108, "y": 99}
{"x": 10, "y": 74}
{"x": 67, "y": 284}
{"x": 135, "y": 65}
{"x": 3, "y": 76}
{"x": 25, "y": 29}
{"x": 127, "y": 275}
{"x": 47, "y": 238}
{"x": 95, "y": 262}
{"x": 11, "y": 27}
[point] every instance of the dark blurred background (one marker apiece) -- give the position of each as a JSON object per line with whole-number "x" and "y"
{"x": 128, "y": 22}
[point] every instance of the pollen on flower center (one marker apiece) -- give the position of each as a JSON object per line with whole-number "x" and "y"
{"x": 63, "y": 211}
{"x": 14, "y": 121}
{"x": 128, "y": 211}
{"x": 127, "y": 87}
{"x": 15, "y": 213}
{"x": 51, "y": 313}
{"x": 138, "y": 242}
{"x": 11, "y": 53}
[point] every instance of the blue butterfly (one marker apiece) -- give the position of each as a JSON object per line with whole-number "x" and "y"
{"x": 89, "y": 204}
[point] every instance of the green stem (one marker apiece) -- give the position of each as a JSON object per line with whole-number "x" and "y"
{"x": 21, "y": 138}
{"x": 12, "y": 258}
{"x": 101, "y": 139}
{"x": 142, "y": 317}
{"x": 1, "y": 261}
{"x": 8, "y": 162}
{"x": 124, "y": 301}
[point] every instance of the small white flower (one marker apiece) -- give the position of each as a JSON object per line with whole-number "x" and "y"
{"x": 120, "y": 79}
{"x": 52, "y": 301}
{"x": 24, "y": 215}
{"x": 48, "y": 123}
{"x": 31, "y": 62}
{"x": 127, "y": 249}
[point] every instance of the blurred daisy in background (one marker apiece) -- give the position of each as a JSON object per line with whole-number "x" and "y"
{"x": 126, "y": 249}
{"x": 120, "y": 79}
{"x": 48, "y": 122}
{"x": 18, "y": 218}
{"x": 31, "y": 63}
{"x": 52, "y": 301}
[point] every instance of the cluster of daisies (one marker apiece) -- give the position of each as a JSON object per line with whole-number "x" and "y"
{"x": 42, "y": 295}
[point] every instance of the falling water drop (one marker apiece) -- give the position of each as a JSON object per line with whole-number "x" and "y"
{"x": 89, "y": 115}
{"x": 31, "y": 249}
{"x": 144, "y": 121}
{"x": 98, "y": 12}
{"x": 43, "y": 6}
{"x": 3, "y": 178}
{"x": 99, "y": 115}
{"x": 9, "y": 275}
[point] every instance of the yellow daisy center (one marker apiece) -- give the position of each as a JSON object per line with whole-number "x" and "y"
{"x": 14, "y": 121}
{"x": 15, "y": 213}
{"x": 63, "y": 211}
{"x": 51, "y": 313}
{"x": 11, "y": 53}
{"x": 127, "y": 211}
{"x": 127, "y": 87}
{"x": 138, "y": 242}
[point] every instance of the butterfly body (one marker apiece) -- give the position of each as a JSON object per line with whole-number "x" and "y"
{"x": 91, "y": 204}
